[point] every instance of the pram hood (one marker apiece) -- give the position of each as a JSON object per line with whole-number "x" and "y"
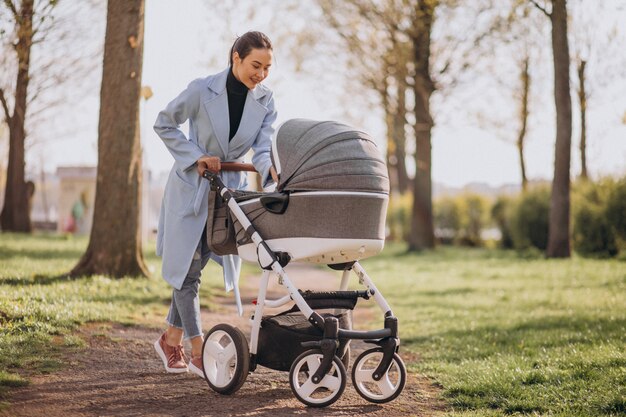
{"x": 326, "y": 155}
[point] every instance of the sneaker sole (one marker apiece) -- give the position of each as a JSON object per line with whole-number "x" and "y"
{"x": 159, "y": 351}
{"x": 194, "y": 369}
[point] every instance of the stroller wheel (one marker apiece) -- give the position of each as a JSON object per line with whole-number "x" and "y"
{"x": 324, "y": 393}
{"x": 226, "y": 358}
{"x": 388, "y": 387}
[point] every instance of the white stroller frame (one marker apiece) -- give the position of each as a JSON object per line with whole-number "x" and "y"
{"x": 317, "y": 377}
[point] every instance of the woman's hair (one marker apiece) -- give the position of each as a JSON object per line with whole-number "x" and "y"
{"x": 248, "y": 41}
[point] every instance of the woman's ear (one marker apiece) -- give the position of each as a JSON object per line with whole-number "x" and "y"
{"x": 236, "y": 59}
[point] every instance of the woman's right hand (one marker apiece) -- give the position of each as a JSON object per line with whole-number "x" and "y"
{"x": 212, "y": 163}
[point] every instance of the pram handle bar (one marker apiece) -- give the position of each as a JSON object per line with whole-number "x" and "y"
{"x": 231, "y": 167}
{"x": 237, "y": 166}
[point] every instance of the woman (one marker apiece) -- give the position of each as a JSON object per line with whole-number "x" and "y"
{"x": 229, "y": 113}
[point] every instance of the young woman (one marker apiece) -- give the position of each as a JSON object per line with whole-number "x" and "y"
{"x": 229, "y": 113}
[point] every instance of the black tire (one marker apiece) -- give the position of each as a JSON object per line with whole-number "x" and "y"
{"x": 224, "y": 335}
{"x": 369, "y": 389}
{"x": 300, "y": 371}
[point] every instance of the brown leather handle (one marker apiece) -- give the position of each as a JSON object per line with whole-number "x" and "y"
{"x": 237, "y": 166}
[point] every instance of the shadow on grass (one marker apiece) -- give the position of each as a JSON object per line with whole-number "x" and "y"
{"x": 547, "y": 332}
{"x": 41, "y": 254}
{"x": 40, "y": 279}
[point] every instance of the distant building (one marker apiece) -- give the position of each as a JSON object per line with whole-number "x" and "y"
{"x": 77, "y": 192}
{"x": 76, "y": 198}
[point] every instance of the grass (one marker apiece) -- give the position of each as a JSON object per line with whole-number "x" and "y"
{"x": 504, "y": 335}
{"x": 40, "y": 309}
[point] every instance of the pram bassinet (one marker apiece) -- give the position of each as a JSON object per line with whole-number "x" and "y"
{"x": 331, "y": 200}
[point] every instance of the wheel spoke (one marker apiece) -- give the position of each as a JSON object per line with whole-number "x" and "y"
{"x": 331, "y": 382}
{"x": 364, "y": 375}
{"x": 307, "y": 388}
{"x": 222, "y": 374}
{"x": 214, "y": 348}
{"x": 313, "y": 363}
{"x": 230, "y": 351}
{"x": 385, "y": 386}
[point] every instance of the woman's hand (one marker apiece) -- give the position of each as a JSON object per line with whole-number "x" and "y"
{"x": 212, "y": 163}
{"x": 274, "y": 174}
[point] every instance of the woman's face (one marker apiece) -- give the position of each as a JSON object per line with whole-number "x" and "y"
{"x": 254, "y": 68}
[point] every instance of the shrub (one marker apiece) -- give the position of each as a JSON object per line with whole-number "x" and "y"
{"x": 447, "y": 219}
{"x": 474, "y": 208}
{"x": 616, "y": 209}
{"x": 399, "y": 216}
{"x": 501, "y": 215}
{"x": 593, "y": 230}
{"x": 593, "y": 234}
{"x": 529, "y": 222}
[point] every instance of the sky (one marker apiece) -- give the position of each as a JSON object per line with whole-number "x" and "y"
{"x": 183, "y": 43}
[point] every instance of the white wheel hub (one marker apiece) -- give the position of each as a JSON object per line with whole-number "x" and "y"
{"x": 220, "y": 358}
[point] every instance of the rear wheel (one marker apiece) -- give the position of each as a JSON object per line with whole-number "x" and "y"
{"x": 324, "y": 393}
{"x": 226, "y": 358}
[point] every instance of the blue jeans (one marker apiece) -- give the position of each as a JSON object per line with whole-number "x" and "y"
{"x": 185, "y": 308}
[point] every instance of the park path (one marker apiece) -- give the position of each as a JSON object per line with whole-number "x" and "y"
{"x": 120, "y": 374}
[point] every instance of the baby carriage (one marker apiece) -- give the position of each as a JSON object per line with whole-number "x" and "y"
{"x": 329, "y": 208}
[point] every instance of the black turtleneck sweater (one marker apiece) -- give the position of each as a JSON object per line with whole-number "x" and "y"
{"x": 237, "y": 93}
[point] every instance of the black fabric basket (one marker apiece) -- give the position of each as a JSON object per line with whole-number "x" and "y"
{"x": 281, "y": 335}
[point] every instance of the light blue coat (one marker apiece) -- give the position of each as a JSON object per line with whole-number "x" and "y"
{"x": 184, "y": 208}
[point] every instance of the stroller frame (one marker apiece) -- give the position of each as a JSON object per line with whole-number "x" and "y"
{"x": 372, "y": 382}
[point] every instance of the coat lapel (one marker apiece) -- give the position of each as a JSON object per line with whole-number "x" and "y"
{"x": 217, "y": 109}
{"x": 251, "y": 120}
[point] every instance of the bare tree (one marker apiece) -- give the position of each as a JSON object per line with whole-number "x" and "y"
{"x": 597, "y": 38}
{"x": 42, "y": 49}
{"x": 115, "y": 240}
{"x": 15, "y": 216}
{"x": 558, "y": 233}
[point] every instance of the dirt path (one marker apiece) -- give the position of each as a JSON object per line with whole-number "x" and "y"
{"x": 120, "y": 375}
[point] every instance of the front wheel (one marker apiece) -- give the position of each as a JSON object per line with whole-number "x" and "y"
{"x": 388, "y": 387}
{"x": 226, "y": 358}
{"x": 324, "y": 393}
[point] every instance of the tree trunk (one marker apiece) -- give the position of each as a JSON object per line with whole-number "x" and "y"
{"x": 115, "y": 242}
{"x": 525, "y": 78}
{"x": 422, "y": 230}
{"x": 15, "y": 215}
{"x": 582, "y": 100}
{"x": 558, "y": 236}
{"x": 399, "y": 135}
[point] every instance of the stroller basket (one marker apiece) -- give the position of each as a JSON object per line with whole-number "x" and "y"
{"x": 281, "y": 335}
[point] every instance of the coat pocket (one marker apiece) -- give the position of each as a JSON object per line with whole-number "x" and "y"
{"x": 179, "y": 195}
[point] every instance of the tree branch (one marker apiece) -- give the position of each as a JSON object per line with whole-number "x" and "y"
{"x": 5, "y": 106}
{"x": 543, "y": 9}
{"x": 11, "y": 7}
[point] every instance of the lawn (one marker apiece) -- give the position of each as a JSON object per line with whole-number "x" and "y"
{"x": 501, "y": 334}
{"x": 506, "y": 335}
{"x": 40, "y": 308}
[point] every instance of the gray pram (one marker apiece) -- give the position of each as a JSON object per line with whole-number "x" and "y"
{"x": 329, "y": 208}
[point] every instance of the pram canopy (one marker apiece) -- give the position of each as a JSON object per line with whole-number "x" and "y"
{"x": 326, "y": 155}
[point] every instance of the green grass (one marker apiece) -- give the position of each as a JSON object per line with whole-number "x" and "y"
{"x": 505, "y": 335}
{"x": 40, "y": 309}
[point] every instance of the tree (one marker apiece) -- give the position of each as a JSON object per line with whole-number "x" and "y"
{"x": 15, "y": 215}
{"x": 115, "y": 241}
{"x": 597, "y": 40}
{"x": 43, "y": 46}
{"x": 559, "y": 228}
